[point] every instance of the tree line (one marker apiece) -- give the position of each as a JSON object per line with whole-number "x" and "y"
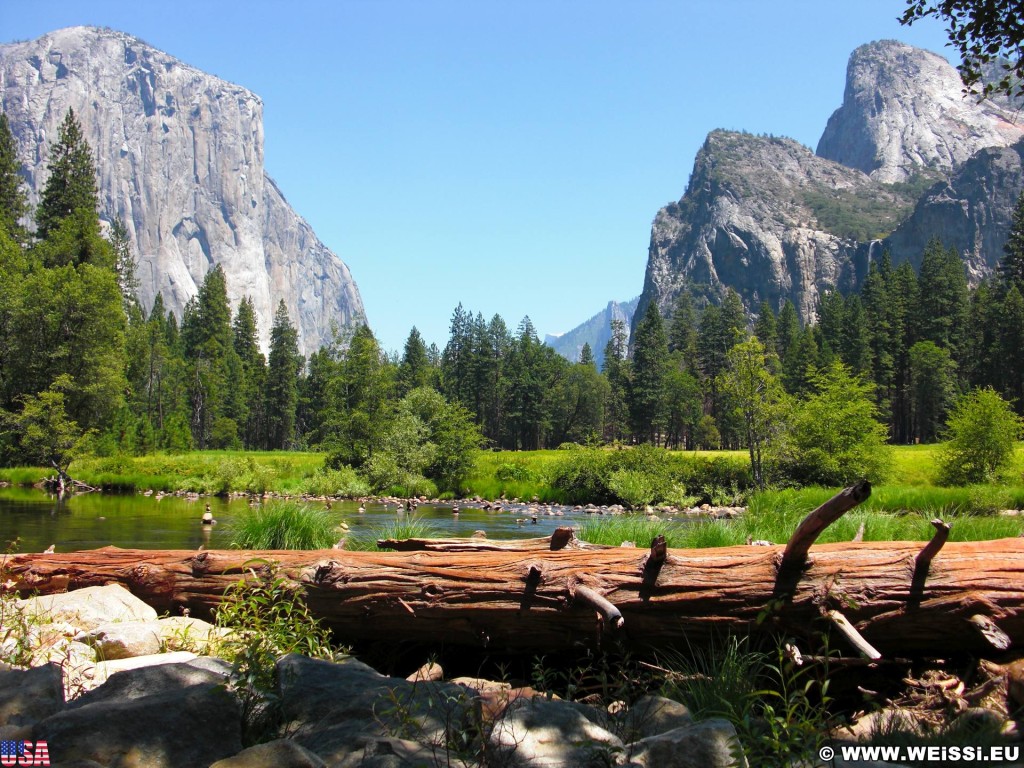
{"x": 81, "y": 360}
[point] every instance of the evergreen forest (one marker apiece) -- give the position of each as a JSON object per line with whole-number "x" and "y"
{"x": 85, "y": 369}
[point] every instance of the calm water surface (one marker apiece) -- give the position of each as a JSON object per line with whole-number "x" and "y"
{"x": 36, "y": 520}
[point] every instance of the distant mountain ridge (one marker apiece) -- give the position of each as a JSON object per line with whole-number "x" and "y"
{"x": 901, "y": 161}
{"x": 596, "y": 332}
{"x": 179, "y": 154}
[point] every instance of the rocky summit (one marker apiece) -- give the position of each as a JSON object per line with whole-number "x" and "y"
{"x": 179, "y": 154}
{"x": 904, "y": 111}
{"x": 907, "y": 158}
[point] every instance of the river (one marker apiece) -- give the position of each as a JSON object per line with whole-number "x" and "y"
{"x": 35, "y": 520}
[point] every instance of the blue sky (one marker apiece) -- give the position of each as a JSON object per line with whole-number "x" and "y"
{"x": 508, "y": 155}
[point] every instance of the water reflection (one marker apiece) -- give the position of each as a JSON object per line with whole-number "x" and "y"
{"x": 87, "y": 521}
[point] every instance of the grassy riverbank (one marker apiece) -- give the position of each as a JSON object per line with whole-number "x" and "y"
{"x": 909, "y": 500}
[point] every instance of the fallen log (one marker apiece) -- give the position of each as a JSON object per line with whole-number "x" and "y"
{"x": 532, "y": 601}
{"x": 562, "y": 538}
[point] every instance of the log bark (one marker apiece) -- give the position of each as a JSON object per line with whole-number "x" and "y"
{"x": 531, "y": 601}
{"x": 562, "y": 538}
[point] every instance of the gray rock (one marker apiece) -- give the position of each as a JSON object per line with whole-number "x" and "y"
{"x": 904, "y": 110}
{"x": 971, "y": 212}
{"x": 169, "y": 138}
{"x": 90, "y": 607}
{"x": 706, "y": 744}
{"x": 653, "y": 715}
{"x": 336, "y": 709}
{"x": 281, "y": 753}
{"x": 547, "y": 734}
{"x": 147, "y": 681}
{"x": 747, "y": 222}
{"x": 185, "y": 633}
{"x": 399, "y": 753}
{"x": 123, "y": 640}
{"x": 189, "y": 728}
{"x": 104, "y": 669}
{"x": 28, "y": 696}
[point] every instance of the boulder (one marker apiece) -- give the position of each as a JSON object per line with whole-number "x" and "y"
{"x": 398, "y": 753}
{"x": 104, "y": 669}
{"x": 189, "y": 728}
{"x": 185, "y": 633}
{"x": 711, "y": 743}
{"x": 281, "y": 753}
{"x": 89, "y": 607}
{"x": 336, "y": 708}
{"x": 653, "y": 715}
{"x": 30, "y": 695}
{"x": 540, "y": 733}
{"x": 148, "y": 681}
{"x": 123, "y": 639}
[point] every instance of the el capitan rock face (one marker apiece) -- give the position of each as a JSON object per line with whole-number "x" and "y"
{"x": 179, "y": 154}
{"x": 904, "y": 112}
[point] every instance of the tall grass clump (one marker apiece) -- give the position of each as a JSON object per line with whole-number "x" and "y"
{"x": 408, "y": 527}
{"x": 614, "y": 530}
{"x": 284, "y": 525}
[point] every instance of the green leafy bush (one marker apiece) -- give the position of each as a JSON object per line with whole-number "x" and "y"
{"x": 343, "y": 481}
{"x": 265, "y": 617}
{"x": 581, "y": 476}
{"x": 834, "y": 436}
{"x": 637, "y": 489}
{"x": 980, "y": 436}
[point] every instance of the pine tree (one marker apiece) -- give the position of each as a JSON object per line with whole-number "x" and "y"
{"x": 414, "y": 370}
{"x": 1011, "y": 268}
{"x": 766, "y": 329}
{"x": 587, "y": 356}
{"x": 71, "y": 185}
{"x": 250, "y": 412}
{"x": 616, "y": 371}
{"x": 208, "y": 346}
{"x": 283, "y": 367}
{"x": 940, "y": 313}
{"x": 682, "y": 330}
{"x": 124, "y": 263}
{"x": 13, "y": 203}
{"x": 650, "y": 368}
{"x": 787, "y": 328}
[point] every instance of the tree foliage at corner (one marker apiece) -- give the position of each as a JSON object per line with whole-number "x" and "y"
{"x": 984, "y": 32}
{"x": 980, "y": 436}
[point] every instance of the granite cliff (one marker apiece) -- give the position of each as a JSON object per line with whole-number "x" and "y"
{"x": 906, "y": 158}
{"x": 179, "y": 154}
{"x": 904, "y": 112}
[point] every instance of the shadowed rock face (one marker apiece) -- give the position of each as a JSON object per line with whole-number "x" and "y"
{"x": 904, "y": 110}
{"x": 180, "y": 160}
{"x": 971, "y": 212}
{"x": 762, "y": 216}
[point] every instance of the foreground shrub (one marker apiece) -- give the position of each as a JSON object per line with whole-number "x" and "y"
{"x": 264, "y": 619}
{"x": 980, "y": 435}
{"x": 284, "y": 525}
